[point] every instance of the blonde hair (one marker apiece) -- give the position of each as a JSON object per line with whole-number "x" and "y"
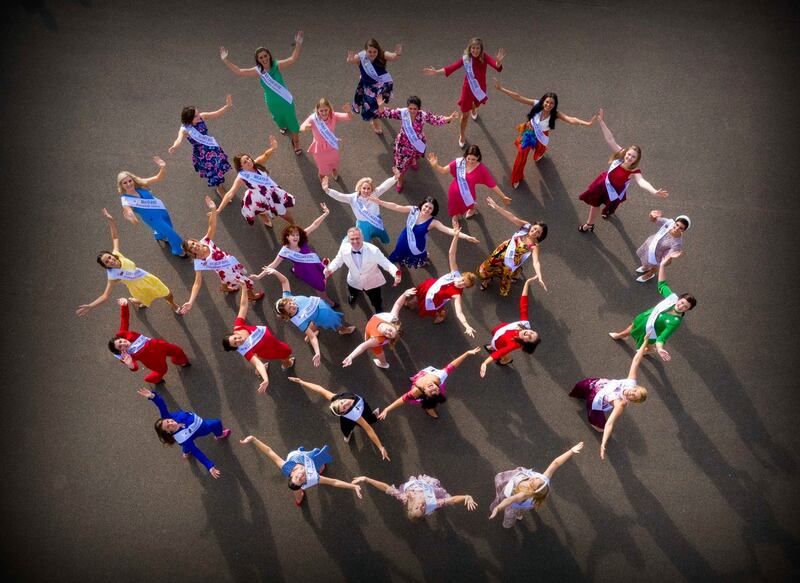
{"x": 642, "y": 394}
{"x": 621, "y": 154}
{"x": 280, "y": 308}
{"x": 475, "y": 41}
{"x": 363, "y": 181}
{"x": 139, "y": 182}
{"x": 323, "y": 101}
{"x": 469, "y": 279}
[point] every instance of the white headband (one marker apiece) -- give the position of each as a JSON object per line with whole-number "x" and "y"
{"x": 685, "y": 219}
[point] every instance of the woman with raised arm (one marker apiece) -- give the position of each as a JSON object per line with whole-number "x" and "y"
{"x": 610, "y": 396}
{"x": 256, "y": 344}
{"x": 208, "y": 257}
{"x": 506, "y": 261}
{"x": 534, "y": 134}
{"x": 309, "y": 314}
{"x": 382, "y": 330}
{"x": 428, "y": 387}
{"x": 468, "y": 172}
{"x": 325, "y": 147}
{"x": 411, "y": 249}
{"x": 183, "y": 427}
{"x": 508, "y": 337}
{"x": 303, "y": 468}
{"x": 263, "y": 198}
{"x": 209, "y": 160}
{"x": 524, "y": 489}
{"x": 131, "y": 348}
{"x": 667, "y": 241}
{"x": 144, "y": 287}
{"x": 433, "y": 294}
{"x": 659, "y": 322}
{"x": 609, "y": 188}
{"x": 306, "y": 264}
{"x": 410, "y": 143}
{"x": 374, "y": 79}
{"x": 420, "y": 495}
{"x": 352, "y": 410}
{"x": 138, "y": 201}
{"x": 473, "y": 91}
{"x": 279, "y": 100}
{"x": 366, "y": 211}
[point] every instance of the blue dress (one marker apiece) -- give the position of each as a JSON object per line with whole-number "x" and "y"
{"x": 158, "y": 220}
{"x": 210, "y": 162}
{"x": 320, "y": 457}
{"x": 371, "y": 232}
{"x": 402, "y": 253}
{"x": 324, "y": 316}
{"x": 365, "y": 101}
{"x": 208, "y": 426}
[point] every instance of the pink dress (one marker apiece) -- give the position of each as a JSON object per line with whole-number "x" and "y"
{"x": 325, "y": 155}
{"x": 479, "y": 175}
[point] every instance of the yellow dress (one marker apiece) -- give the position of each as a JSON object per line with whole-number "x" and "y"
{"x": 145, "y": 289}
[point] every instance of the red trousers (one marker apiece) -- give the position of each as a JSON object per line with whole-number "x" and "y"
{"x": 154, "y": 356}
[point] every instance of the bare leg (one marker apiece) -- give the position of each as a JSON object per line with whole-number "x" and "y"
{"x": 593, "y": 212}
{"x": 220, "y": 190}
{"x": 296, "y": 143}
{"x": 439, "y": 317}
{"x": 266, "y": 220}
{"x": 381, "y": 358}
{"x": 463, "y": 130}
{"x": 324, "y": 295}
{"x": 622, "y": 333}
{"x": 171, "y": 301}
{"x": 375, "y": 127}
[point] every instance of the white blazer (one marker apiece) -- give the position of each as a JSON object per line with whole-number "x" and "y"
{"x": 369, "y": 276}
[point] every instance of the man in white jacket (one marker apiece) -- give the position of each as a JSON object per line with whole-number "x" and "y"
{"x": 363, "y": 262}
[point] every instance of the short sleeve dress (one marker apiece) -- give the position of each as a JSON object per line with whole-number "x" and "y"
{"x": 479, "y": 175}
{"x": 146, "y": 288}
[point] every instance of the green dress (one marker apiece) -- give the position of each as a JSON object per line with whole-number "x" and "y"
{"x": 666, "y": 323}
{"x": 282, "y": 111}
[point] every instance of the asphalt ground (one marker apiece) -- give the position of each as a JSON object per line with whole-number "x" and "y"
{"x": 700, "y": 482}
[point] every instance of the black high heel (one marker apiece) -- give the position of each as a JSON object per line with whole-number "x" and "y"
{"x": 586, "y": 227}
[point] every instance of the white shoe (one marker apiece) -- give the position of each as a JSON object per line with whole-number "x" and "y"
{"x": 461, "y": 143}
{"x": 376, "y": 411}
{"x": 378, "y": 363}
{"x": 640, "y": 269}
{"x": 514, "y": 185}
{"x": 474, "y": 114}
{"x": 644, "y": 278}
{"x": 347, "y": 437}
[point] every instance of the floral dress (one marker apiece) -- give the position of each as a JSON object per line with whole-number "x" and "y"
{"x": 401, "y": 493}
{"x": 365, "y": 100}
{"x": 495, "y": 265}
{"x": 231, "y": 277}
{"x": 259, "y": 199}
{"x": 405, "y": 154}
{"x": 210, "y": 162}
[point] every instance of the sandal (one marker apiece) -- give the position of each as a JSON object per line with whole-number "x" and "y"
{"x": 432, "y": 413}
{"x": 298, "y": 151}
{"x": 586, "y": 227}
{"x": 256, "y": 296}
{"x": 439, "y": 319}
{"x": 499, "y": 363}
{"x": 485, "y": 284}
{"x": 488, "y": 348}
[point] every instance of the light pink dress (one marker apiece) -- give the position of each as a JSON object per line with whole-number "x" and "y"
{"x": 325, "y": 156}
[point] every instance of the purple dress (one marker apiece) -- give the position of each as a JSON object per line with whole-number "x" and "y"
{"x": 311, "y": 273}
{"x": 210, "y": 162}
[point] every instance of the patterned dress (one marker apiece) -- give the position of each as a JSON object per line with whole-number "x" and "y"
{"x": 405, "y": 154}
{"x": 365, "y": 100}
{"x": 510, "y": 514}
{"x": 259, "y": 199}
{"x": 232, "y": 277}
{"x": 210, "y": 162}
{"x": 495, "y": 265}
{"x": 666, "y": 245}
{"x": 401, "y": 493}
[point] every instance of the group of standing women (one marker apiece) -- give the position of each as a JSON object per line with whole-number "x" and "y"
{"x": 516, "y": 490}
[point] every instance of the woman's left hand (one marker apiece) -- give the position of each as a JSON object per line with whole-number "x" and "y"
{"x": 662, "y": 352}
{"x": 157, "y": 159}
{"x": 470, "y": 503}
{"x": 146, "y": 393}
{"x": 384, "y": 454}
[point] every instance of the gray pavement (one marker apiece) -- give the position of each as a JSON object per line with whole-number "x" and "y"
{"x": 700, "y": 482}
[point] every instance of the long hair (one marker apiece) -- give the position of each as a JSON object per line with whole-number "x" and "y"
{"x": 621, "y": 154}
{"x": 139, "y": 182}
{"x": 255, "y": 56}
{"x": 165, "y": 436}
{"x": 540, "y": 106}
{"x": 380, "y": 59}
{"x": 528, "y": 347}
{"x": 475, "y": 41}
{"x": 289, "y": 229}
{"x": 237, "y": 162}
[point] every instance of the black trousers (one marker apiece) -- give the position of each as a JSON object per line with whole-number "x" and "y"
{"x": 374, "y": 295}
{"x": 348, "y": 426}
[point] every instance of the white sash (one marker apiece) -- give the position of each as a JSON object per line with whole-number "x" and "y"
{"x": 135, "y": 346}
{"x": 326, "y": 132}
{"x": 463, "y": 185}
{"x": 254, "y": 338}
{"x": 524, "y": 474}
{"x": 297, "y": 256}
{"x": 512, "y": 326}
{"x": 312, "y": 476}
{"x": 359, "y": 206}
{"x": 356, "y": 411}
{"x": 660, "y": 308}
{"x": 186, "y": 433}
{"x": 436, "y": 371}
{"x": 612, "y": 387}
{"x": 612, "y": 193}
{"x": 474, "y": 86}
{"x": 651, "y": 249}
{"x": 512, "y": 249}
{"x": 369, "y": 69}
{"x": 408, "y": 128}
{"x": 143, "y": 203}
{"x": 542, "y": 137}
{"x": 211, "y": 265}
{"x": 257, "y": 178}
{"x": 412, "y": 239}
{"x": 427, "y": 491}
{"x": 434, "y": 289}
{"x": 126, "y": 274}
{"x": 270, "y": 82}
{"x": 204, "y": 139}
{"x": 302, "y": 315}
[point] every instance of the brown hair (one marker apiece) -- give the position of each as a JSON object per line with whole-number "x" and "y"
{"x": 380, "y": 60}
{"x": 469, "y": 279}
{"x": 255, "y": 56}
{"x": 621, "y": 154}
{"x": 475, "y": 41}
{"x": 165, "y": 436}
{"x": 289, "y": 229}
{"x": 237, "y": 162}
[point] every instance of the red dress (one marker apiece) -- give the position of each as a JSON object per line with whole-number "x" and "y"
{"x": 268, "y": 348}
{"x": 446, "y": 293}
{"x": 506, "y": 342}
{"x": 597, "y": 193}
{"x": 467, "y": 99}
{"x": 153, "y": 354}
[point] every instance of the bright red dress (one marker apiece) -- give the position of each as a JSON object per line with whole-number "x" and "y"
{"x": 467, "y": 100}
{"x": 506, "y": 342}
{"x": 268, "y": 348}
{"x": 446, "y": 293}
{"x": 597, "y": 193}
{"x": 153, "y": 354}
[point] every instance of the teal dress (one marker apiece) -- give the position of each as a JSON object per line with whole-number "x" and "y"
{"x": 282, "y": 111}
{"x": 666, "y": 323}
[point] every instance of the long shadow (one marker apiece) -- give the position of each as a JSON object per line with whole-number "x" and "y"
{"x": 498, "y": 150}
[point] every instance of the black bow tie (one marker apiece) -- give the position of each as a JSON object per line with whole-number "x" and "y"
{"x": 359, "y": 252}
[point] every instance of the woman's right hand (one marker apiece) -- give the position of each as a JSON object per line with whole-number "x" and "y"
{"x": 246, "y": 440}
{"x": 493, "y": 514}
{"x": 577, "y": 448}
{"x": 107, "y": 215}
{"x": 347, "y": 361}
{"x": 433, "y": 159}
{"x": 470, "y": 503}
{"x": 223, "y": 53}
{"x": 146, "y": 393}
{"x": 83, "y": 309}
{"x": 497, "y": 84}
{"x": 382, "y": 415}
{"x": 430, "y": 71}
{"x": 184, "y": 309}
{"x": 358, "y": 480}
{"x": 483, "y": 370}
{"x": 490, "y": 201}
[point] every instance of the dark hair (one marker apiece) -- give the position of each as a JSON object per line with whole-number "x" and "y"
{"x": 415, "y": 100}
{"x": 473, "y": 150}
{"x": 255, "y": 56}
{"x": 689, "y": 298}
{"x": 543, "y": 236}
{"x": 226, "y": 343}
{"x": 100, "y": 258}
{"x": 288, "y": 229}
{"x": 293, "y": 486}
{"x": 237, "y": 162}
{"x": 380, "y": 60}
{"x": 540, "y": 106}
{"x": 684, "y": 222}
{"x": 187, "y": 115}
{"x": 528, "y": 347}
{"x": 165, "y": 436}
{"x": 431, "y": 402}
{"x": 111, "y": 346}
{"x": 431, "y": 200}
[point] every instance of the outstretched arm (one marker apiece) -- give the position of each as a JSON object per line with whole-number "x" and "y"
{"x": 251, "y": 72}
{"x": 576, "y": 121}
{"x": 458, "y": 360}
{"x": 359, "y": 350}
{"x": 373, "y": 437}
{"x": 244, "y": 304}
{"x": 537, "y": 267}
{"x": 212, "y": 217}
{"x": 220, "y": 111}
{"x": 112, "y": 225}
{"x": 318, "y": 221}
{"x": 645, "y": 185}
{"x": 267, "y": 154}
{"x": 178, "y": 140}
{"x": 433, "y": 160}
{"x": 637, "y": 360}
{"x": 464, "y": 499}
{"x": 457, "y": 304}
{"x": 340, "y": 484}
{"x": 265, "y": 449}
{"x": 437, "y": 224}
{"x": 285, "y": 285}
{"x": 562, "y": 459}
{"x": 609, "y": 137}
{"x": 506, "y": 502}
{"x": 398, "y": 402}
{"x": 314, "y": 388}
{"x": 311, "y": 336}
{"x": 382, "y": 486}
{"x": 451, "y": 253}
{"x": 298, "y": 42}
{"x": 228, "y": 196}
{"x": 261, "y": 369}
{"x": 196, "y": 285}
{"x": 395, "y": 54}
{"x": 619, "y": 407}
{"x": 162, "y": 171}
{"x": 84, "y": 309}
{"x": 513, "y": 94}
{"x": 400, "y": 208}
{"x": 401, "y": 301}
{"x": 508, "y": 215}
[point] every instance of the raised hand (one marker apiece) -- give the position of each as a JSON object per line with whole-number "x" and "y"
{"x": 577, "y": 448}
{"x": 661, "y": 193}
{"x": 483, "y": 370}
{"x": 215, "y": 473}
{"x": 184, "y": 309}
{"x": 475, "y": 351}
{"x": 351, "y": 56}
{"x": 223, "y": 53}
{"x": 497, "y": 83}
{"x": 157, "y": 159}
{"x": 382, "y": 415}
{"x": 358, "y": 480}
{"x": 229, "y": 100}
{"x": 146, "y": 393}
{"x": 490, "y": 201}
{"x": 470, "y": 503}
{"x": 126, "y": 358}
{"x": 493, "y": 514}
{"x": 384, "y": 454}
{"x": 273, "y": 143}
{"x": 317, "y": 360}
{"x": 347, "y": 362}
{"x": 410, "y": 292}
{"x": 470, "y": 331}
{"x": 325, "y": 183}
{"x": 398, "y": 49}
{"x": 298, "y": 38}
{"x": 501, "y": 54}
{"x": 379, "y": 100}
{"x": 433, "y": 159}
{"x": 122, "y": 301}
{"x": 601, "y": 116}
{"x": 662, "y": 352}
{"x": 210, "y": 204}
{"x": 471, "y": 239}
{"x": 454, "y": 115}
{"x": 83, "y": 309}
{"x": 324, "y": 207}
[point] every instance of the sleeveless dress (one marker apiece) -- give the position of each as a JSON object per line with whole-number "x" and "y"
{"x": 145, "y": 289}
{"x": 446, "y": 293}
{"x": 402, "y": 253}
{"x": 311, "y": 273}
{"x": 283, "y": 112}
{"x": 210, "y": 162}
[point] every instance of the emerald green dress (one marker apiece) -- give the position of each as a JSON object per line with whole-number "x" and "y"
{"x": 282, "y": 112}
{"x": 666, "y": 323}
